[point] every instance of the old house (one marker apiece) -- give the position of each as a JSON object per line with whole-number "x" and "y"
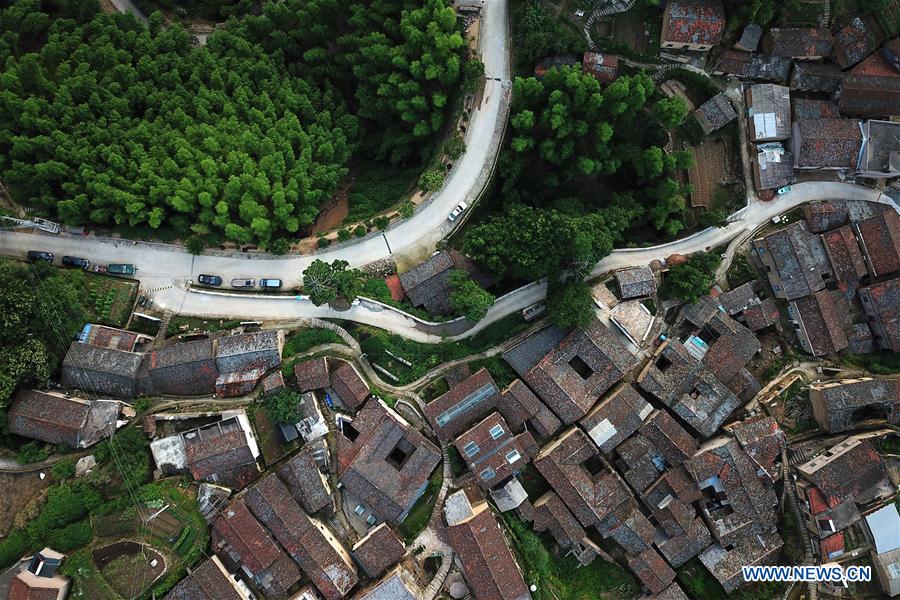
{"x": 750, "y": 37}
{"x": 660, "y": 445}
{"x": 826, "y": 144}
{"x": 773, "y": 167}
{"x": 615, "y": 417}
{"x": 581, "y": 368}
{"x": 522, "y": 409}
{"x": 795, "y": 261}
{"x": 692, "y": 25}
{"x": 879, "y": 239}
{"x": 852, "y": 43}
{"x": 103, "y": 336}
{"x": 715, "y": 113}
{"x": 807, "y": 108}
{"x": 428, "y": 283}
{"x": 239, "y": 539}
{"x": 852, "y": 470}
{"x": 310, "y": 543}
{"x": 653, "y": 572}
{"x": 768, "y": 112}
{"x": 383, "y": 461}
{"x": 183, "y": 369}
{"x": 463, "y": 405}
{"x": 603, "y": 67}
{"x": 753, "y": 66}
{"x": 378, "y": 550}
{"x": 636, "y": 282}
{"x": 841, "y": 405}
{"x": 40, "y": 579}
{"x": 815, "y": 77}
{"x": 552, "y": 515}
{"x": 492, "y": 452}
{"x": 798, "y": 43}
{"x": 869, "y": 96}
{"x": 56, "y": 419}
{"x": 819, "y": 322}
{"x": 348, "y": 384}
{"x": 308, "y": 486}
{"x": 311, "y": 374}
{"x": 576, "y": 471}
{"x": 763, "y": 441}
{"x": 209, "y": 581}
{"x": 247, "y": 351}
{"x": 240, "y": 383}
{"x": 399, "y": 584}
{"x": 726, "y": 563}
{"x": 846, "y": 259}
{"x": 881, "y": 302}
{"x": 488, "y": 564}
{"x": 880, "y": 155}
{"x": 101, "y": 370}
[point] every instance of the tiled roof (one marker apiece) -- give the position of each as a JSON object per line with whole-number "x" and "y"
{"x": 491, "y": 451}
{"x": 370, "y": 466}
{"x": 847, "y": 262}
{"x": 463, "y": 405}
{"x": 487, "y": 562}
{"x": 852, "y": 468}
{"x": 48, "y": 418}
{"x": 733, "y": 348}
{"x": 209, "y": 581}
{"x": 815, "y": 77}
{"x": 527, "y": 353}
{"x": 310, "y": 544}
{"x": 674, "y": 591}
{"x": 572, "y": 376}
{"x": 551, "y": 514}
{"x": 738, "y": 299}
{"x": 21, "y": 589}
{"x": 746, "y": 65}
{"x": 101, "y": 370}
{"x": 311, "y": 374}
{"x": 683, "y": 547}
{"x": 456, "y": 375}
{"x": 693, "y": 22}
{"x": 725, "y": 565}
{"x": 727, "y": 469}
{"x": 655, "y": 574}
{"x": 835, "y": 403}
{"x": 273, "y": 382}
{"x": 870, "y": 96}
{"x": 822, "y": 318}
{"x": 883, "y": 301}
{"x": 879, "y": 237}
{"x": 237, "y": 533}
{"x": 519, "y": 406}
{"x": 245, "y": 351}
{"x": 749, "y": 40}
{"x": 304, "y": 480}
{"x": 637, "y": 281}
{"x": 881, "y": 149}
{"x": 229, "y": 385}
{"x": 762, "y": 315}
{"x": 797, "y": 258}
{"x": 217, "y": 450}
{"x": 630, "y": 529}
{"x": 806, "y": 108}
{"x": 762, "y": 440}
{"x": 769, "y": 112}
{"x": 615, "y": 417}
{"x": 604, "y": 67}
{"x": 826, "y": 143}
{"x": 349, "y": 385}
{"x": 773, "y": 167}
{"x": 877, "y": 63}
{"x": 832, "y": 546}
{"x": 399, "y": 584}
{"x": 428, "y": 283}
{"x": 545, "y": 64}
{"x": 852, "y": 43}
{"x": 799, "y": 42}
{"x": 574, "y": 468}
{"x": 378, "y": 550}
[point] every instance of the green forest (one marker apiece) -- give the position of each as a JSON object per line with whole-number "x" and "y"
{"x": 106, "y": 122}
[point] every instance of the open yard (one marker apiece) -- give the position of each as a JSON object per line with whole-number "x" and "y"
{"x": 269, "y": 438}
{"x": 420, "y": 514}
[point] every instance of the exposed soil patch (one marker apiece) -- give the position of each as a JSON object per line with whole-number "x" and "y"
{"x": 334, "y": 211}
{"x": 27, "y": 486}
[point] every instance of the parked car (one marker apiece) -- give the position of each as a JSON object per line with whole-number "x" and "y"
{"x": 213, "y": 280}
{"x": 73, "y": 261}
{"x": 36, "y": 255}
{"x": 783, "y": 190}
{"x": 120, "y": 269}
{"x": 457, "y": 211}
{"x": 243, "y": 283}
{"x": 272, "y": 284}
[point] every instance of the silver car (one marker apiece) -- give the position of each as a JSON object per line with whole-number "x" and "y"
{"x": 243, "y": 283}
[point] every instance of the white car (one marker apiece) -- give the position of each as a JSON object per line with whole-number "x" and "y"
{"x": 457, "y": 211}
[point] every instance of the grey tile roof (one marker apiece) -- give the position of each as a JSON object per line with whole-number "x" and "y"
{"x": 304, "y": 480}
{"x": 835, "y": 404}
{"x": 615, "y": 417}
{"x": 749, "y": 40}
{"x": 396, "y": 585}
{"x": 715, "y": 113}
{"x": 746, "y": 65}
{"x": 636, "y": 281}
{"x": 815, "y": 77}
{"x": 881, "y": 302}
{"x": 247, "y": 351}
{"x": 53, "y": 419}
{"x": 462, "y": 406}
{"x": 853, "y": 42}
{"x": 183, "y": 369}
{"x": 101, "y": 370}
{"x": 725, "y": 565}
{"x": 799, "y": 42}
{"x": 826, "y": 143}
{"x": 797, "y": 259}
{"x": 527, "y": 353}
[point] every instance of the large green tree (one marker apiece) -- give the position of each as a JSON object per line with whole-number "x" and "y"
{"x": 325, "y": 282}
{"x": 693, "y": 278}
{"x": 468, "y": 298}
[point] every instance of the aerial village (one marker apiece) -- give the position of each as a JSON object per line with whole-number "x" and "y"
{"x": 670, "y": 442}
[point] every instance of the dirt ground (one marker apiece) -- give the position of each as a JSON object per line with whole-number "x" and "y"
{"x": 26, "y": 486}
{"x": 333, "y": 212}
{"x": 108, "y": 7}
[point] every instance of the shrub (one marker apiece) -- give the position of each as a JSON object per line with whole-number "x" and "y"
{"x": 454, "y": 147}
{"x": 71, "y": 536}
{"x": 343, "y": 234}
{"x": 382, "y": 222}
{"x": 407, "y": 209}
{"x": 309, "y": 338}
{"x": 63, "y": 469}
{"x": 431, "y": 180}
{"x": 31, "y": 452}
{"x": 195, "y": 245}
{"x": 360, "y": 231}
{"x": 323, "y": 242}
{"x": 282, "y": 406}
{"x": 280, "y": 246}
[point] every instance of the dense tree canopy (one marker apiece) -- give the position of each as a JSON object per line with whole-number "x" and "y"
{"x": 468, "y": 298}
{"x": 106, "y": 121}
{"x": 692, "y": 279}
{"x": 325, "y": 282}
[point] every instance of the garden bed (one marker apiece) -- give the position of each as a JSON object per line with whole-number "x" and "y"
{"x": 126, "y": 567}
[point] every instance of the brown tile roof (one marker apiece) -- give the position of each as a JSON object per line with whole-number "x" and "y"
{"x": 238, "y": 534}
{"x": 826, "y": 143}
{"x": 245, "y": 351}
{"x": 183, "y": 369}
{"x": 853, "y": 468}
{"x": 797, "y": 42}
{"x": 652, "y": 570}
{"x": 615, "y": 417}
{"x": 273, "y": 382}
{"x": 487, "y": 562}
{"x": 519, "y": 406}
{"x": 882, "y": 304}
{"x": 218, "y": 451}
{"x": 349, "y": 385}
{"x": 370, "y": 468}
{"x": 822, "y": 318}
{"x": 311, "y": 374}
{"x": 746, "y": 65}
{"x": 879, "y": 237}
{"x": 660, "y": 444}
{"x": 310, "y": 544}
{"x": 847, "y": 262}
{"x": 762, "y": 315}
{"x": 576, "y": 471}
{"x": 551, "y": 514}
{"x": 629, "y": 528}
{"x": 302, "y": 476}
{"x": 725, "y": 565}
{"x": 762, "y": 440}
{"x": 806, "y": 108}
{"x": 378, "y": 550}
{"x": 674, "y": 591}
{"x": 491, "y": 452}
{"x": 726, "y": 469}
{"x": 456, "y": 375}
{"x": 852, "y": 43}
{"x": 604, "y": 67}
{"x": 463, "y": 405}
{"x": 733, "y": 348}
{"x": 683, "y": 547}
{"x": 693, "y": 22}
{"x": 877, "y": 64}
{"x": 572, "y": 376}
{"x": 870, "y": 96}
{"x": 48, "y": 418}
{"x": 209, "y": 581}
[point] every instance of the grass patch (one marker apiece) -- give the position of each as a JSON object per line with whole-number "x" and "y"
{"x": 269, "y": 437}
{"x": 880, "y": 363}
{"x": 420, "y": 514}
{"x": 378, "y": 186}
{"x": 740, "y": 271}
{"x": 563, "y": 579}
{"x": 145, "y": 326}
{"x": 889, "y": 445}
{"x": 198, "y": 325}
{"x": 457, "y": 464}
{"x": 501, "y": 372}
{"x": 306, "y": 339}
{"x": 697, "y": 582}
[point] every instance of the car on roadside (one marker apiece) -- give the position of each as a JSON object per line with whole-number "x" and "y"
{"x": 243, "y": 283}
{"x": 457, "y": 211}
{"x": 213, "y": 280}
{"x": 783, "y": 190}
{"x": 120, "y": 269}
{"x": 78, "y": 263}
{"x": 37, "y": 255}
{"x": 272, "y": 284}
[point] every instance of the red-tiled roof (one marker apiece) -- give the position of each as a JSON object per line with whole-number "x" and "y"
{"x": 831, "y": 546}
{"x": 348, "y": 385}
{"x": 311, "y": 374}
{"x": 693, "y": 22}
{"x": 378, "y": 550}
{"x": 880, "y": 241}
{"x": 237, "y": 528}
{"x": 463, "y": 405}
